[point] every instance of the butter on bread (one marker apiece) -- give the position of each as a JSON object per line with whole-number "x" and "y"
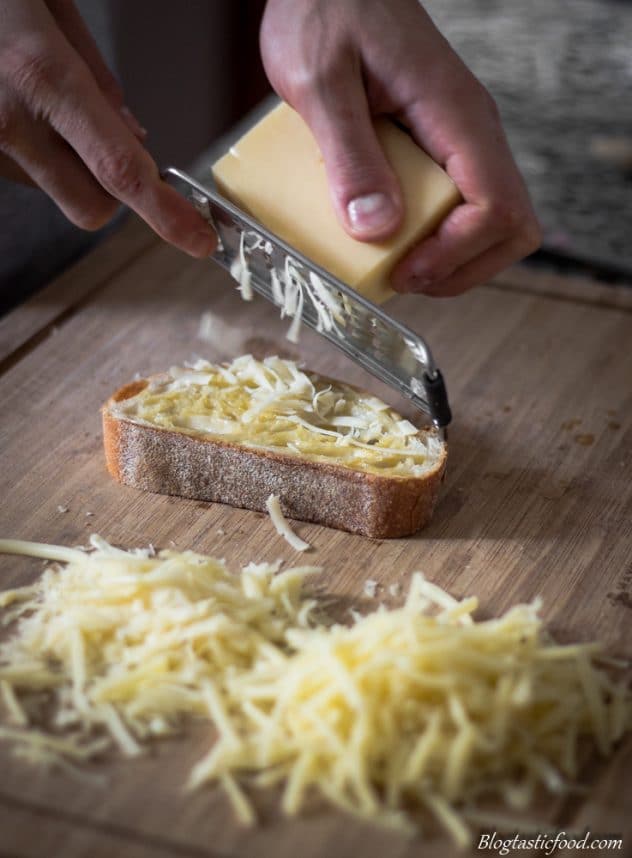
{"x": 237, "y": 433}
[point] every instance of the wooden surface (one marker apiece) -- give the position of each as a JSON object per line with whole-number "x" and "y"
{"x": 538, "y": 500}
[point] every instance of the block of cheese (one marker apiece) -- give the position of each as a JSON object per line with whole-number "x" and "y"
{"x": 276, "y": 173}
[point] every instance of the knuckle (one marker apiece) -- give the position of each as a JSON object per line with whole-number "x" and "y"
{"x": 306, "y": 84}
{"x": 119, "y": 173}
{"x": 94, "y": 215}
{"x": 515, "y": 223}
{"x": 321, "y": 80}
{"x": 506, "y": 218}
{"x": 531, "y": 237}
{"x": 30, "y": 66}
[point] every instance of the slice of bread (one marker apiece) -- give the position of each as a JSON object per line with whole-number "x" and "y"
{"x": 237, "y": 433}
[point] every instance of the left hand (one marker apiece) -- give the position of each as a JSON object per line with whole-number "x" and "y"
{"x": 64, "y": 127}
{"x": 340, "y": 63}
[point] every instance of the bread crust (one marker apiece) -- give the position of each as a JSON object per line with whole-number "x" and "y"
{"x": 209, "y": 469}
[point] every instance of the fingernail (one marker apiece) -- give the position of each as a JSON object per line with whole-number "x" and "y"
{"x": 371, "y": 212}
{"x": 202, "y": 243}
{"x": 133, "y": 123}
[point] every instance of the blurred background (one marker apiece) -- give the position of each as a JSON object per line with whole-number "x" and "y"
{"x": 560, "y": 71}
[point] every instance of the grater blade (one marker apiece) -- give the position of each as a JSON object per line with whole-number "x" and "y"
{"x": 387, "y": 349}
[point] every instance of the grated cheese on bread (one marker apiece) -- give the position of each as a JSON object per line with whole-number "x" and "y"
{"x": 238, "y": 433}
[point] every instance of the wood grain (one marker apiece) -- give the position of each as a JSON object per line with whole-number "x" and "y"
{"x": 526, "y": 278}
{"x": 69, "y": 834}
{"x": 538, "y": 500}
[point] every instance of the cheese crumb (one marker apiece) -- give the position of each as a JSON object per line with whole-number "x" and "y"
{"x": 62, "y": 509}
{"x": 208, "y": 329}
{"x": 370, "y": 589}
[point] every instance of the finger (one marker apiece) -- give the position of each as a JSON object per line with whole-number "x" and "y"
{"x": 14, "y": 173}
{"x": 364, "y": 189}
{"x": 72, "y": 25}
{"x": 497, "y": 207}
{"x": 60, "y": 87}
{"x": 466, "y": 233}
{"x": 52, "y": 165}
{"x": 476, "y": 272}
{"x": 470, "y": 142}
{"x": 133, "y": 124}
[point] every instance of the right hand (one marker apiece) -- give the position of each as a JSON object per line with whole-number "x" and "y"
{"x": 64, "y": 127}
{"x": 341, "y": 63}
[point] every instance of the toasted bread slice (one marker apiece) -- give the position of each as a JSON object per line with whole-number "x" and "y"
{"x": 236, "y": 434}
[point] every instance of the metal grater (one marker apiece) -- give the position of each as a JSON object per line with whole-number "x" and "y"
{"x": 387, "y": 349}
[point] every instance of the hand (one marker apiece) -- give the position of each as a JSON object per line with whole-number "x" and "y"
{"x": 338, "y": 64}
{"x": 64, "y": 127}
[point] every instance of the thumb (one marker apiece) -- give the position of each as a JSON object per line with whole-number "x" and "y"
{"x": 364, "y": 189}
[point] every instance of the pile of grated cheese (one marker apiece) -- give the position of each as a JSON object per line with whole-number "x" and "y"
{"x": 274, "y": 405}
{"x": 418, "y": 708}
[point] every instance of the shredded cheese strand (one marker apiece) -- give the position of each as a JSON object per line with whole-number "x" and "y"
{"x": 290, "y": 287}
{"x": 416, "y": 707}
{"x": 282, "y": 526}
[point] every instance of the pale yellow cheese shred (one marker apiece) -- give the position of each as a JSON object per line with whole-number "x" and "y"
{"x": 412, "y": 709}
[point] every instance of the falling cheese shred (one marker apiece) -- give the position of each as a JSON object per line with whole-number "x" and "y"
{"x": 412, "y": 710}
{"x": 281, "y": 525}
{"x": 291, "y": 287}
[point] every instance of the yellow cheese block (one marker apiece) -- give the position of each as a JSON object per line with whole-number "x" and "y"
{"x": 276, "y": 173}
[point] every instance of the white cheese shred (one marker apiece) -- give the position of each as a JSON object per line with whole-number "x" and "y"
{"x": 416, "y": 712}
{"x": 281, "y": 525}
{"x": 290, "y": 287}
{"x": 16, "y": 713}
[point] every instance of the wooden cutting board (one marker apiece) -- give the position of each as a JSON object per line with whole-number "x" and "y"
{"x": 538, "y": 501}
